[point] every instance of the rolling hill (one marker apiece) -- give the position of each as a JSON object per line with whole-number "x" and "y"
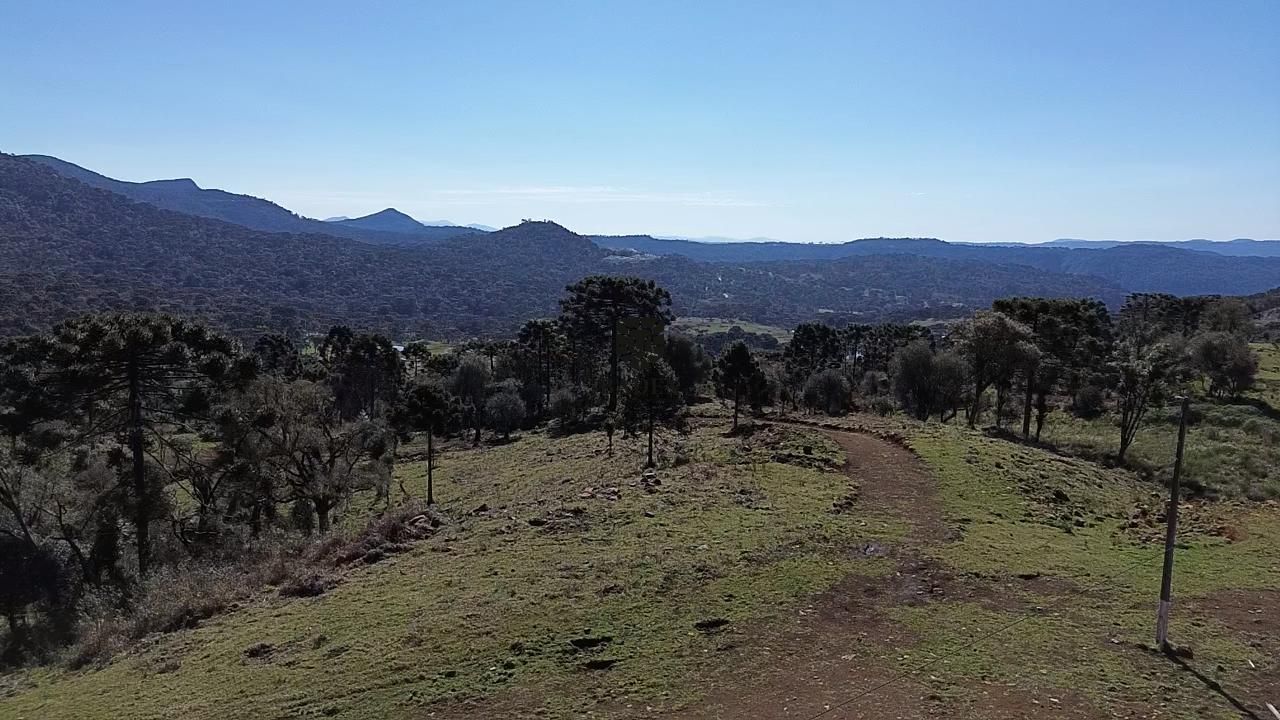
{"x": 67, "y": 248}
{"x": 184, "y": 196}
{"x": 1134, "y": 267}
{"x": 389, "y": 220}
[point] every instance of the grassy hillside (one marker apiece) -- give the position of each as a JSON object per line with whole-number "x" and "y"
{"x": 495, "y": 601}
{"x": 1233, "y": 447}
{"x": 1008, "y": 581}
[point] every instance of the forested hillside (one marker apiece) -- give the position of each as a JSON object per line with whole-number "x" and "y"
{"x": 1133, "y": 267}
{"x": 68, "y": 248}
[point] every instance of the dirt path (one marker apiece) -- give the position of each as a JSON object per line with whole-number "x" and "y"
{"x": 836, "y": 660}
{"x": 812, "y": 665}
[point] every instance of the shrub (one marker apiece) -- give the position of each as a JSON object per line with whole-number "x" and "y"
{"x": 883, "y": 406}
{"x": 505, "y": 412}
{"x": 1090, "y": 402}
{"x": 566, "y": 406}
{"x": 827, "y": 391}
{"x": 173, "y": 598}
{"x": 100, "y": 636}
{"x": 875, "y": 382}
{"x": 310, "y": 584}
{"x": 385, "y": 535}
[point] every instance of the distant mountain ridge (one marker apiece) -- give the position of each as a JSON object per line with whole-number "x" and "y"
{"x": 185, "y": 196}
{"x": 1239, "y": 247}
{"x": 67, "y": 248}
{"x": 1136, "y": 267}
{"x": 129, "y": 245}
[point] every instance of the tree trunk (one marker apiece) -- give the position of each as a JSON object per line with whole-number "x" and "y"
{"x": 322, "y": 514}
{"x": 650, "y": 436}
{"x": 1042, "y": 410}
{"x": 546, "y": 376}
{"x": 255, "y": 519}
{"x": 431, "y": 462}
{"x": 613, "y": 366}
{"x": 142, "y": 509}
{"x": 1026, "y": 405}
{"x": 737, "y": 395}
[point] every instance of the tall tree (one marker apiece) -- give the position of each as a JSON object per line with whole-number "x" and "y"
{"x": 734, "y": 372}
{"x": 995, "y": 347}
{"x": 688, "y": 361}
{"x": 321, "y": 457}
{"x": 470, "y": 384}
{"x": 1144, "y": 374}
{"x": 652, "y": 395}
{"x": 604, "y": 309}
{"x": 367, "y": 375}
{"x": 417, "y": 359}
{"x": 427, "y": 407}
{"x": 1073, "y": 337}
{"x": 277, "y": 355}
{"x": 813, "y": 347}
{"x": 544, "y": 341}
{"x": 133, "y": 376}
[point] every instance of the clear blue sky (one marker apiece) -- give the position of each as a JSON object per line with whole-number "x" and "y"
{"x": 984, "y": 120}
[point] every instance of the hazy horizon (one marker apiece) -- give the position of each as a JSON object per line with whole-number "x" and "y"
{"x": 1004, "y": 122}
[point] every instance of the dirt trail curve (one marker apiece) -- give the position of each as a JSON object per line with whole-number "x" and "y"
{"x": 836, "y": 649}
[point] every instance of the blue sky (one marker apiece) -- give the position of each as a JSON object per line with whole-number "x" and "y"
{"x": 986, "y": 120}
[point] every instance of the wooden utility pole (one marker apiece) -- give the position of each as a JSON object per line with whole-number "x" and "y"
{"x": 1171, "y": 535}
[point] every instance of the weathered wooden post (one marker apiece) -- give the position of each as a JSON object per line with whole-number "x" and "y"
{"x": 1171, "y": 535}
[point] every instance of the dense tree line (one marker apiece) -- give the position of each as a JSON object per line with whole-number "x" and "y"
{"x": 138, "y": 440}
{"x": 141, "y": 441}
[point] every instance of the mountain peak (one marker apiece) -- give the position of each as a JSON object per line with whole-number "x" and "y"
{"x": 386, "y": 220}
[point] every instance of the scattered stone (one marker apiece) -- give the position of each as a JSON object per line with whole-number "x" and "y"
{"x": 649, "y": 514}
{"x": 482, "y": 509}
{"x": 1028, "y": 575}
{"x": 874, "y": 549}
{"x": 537, "y": 522}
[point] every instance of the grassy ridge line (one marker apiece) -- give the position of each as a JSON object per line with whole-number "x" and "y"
{"x": 492, "y": 602}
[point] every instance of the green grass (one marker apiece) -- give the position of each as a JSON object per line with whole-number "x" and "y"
{"x": 740, "y": 528}
{"x": 702, "y": 326}
{"x": 1002, "y": 497}
{"x": 1083, "y": 625}
{"x": 1268, "y": 385}
{"x": 1233, "y": 450}
{"x": 492, "y": 602}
